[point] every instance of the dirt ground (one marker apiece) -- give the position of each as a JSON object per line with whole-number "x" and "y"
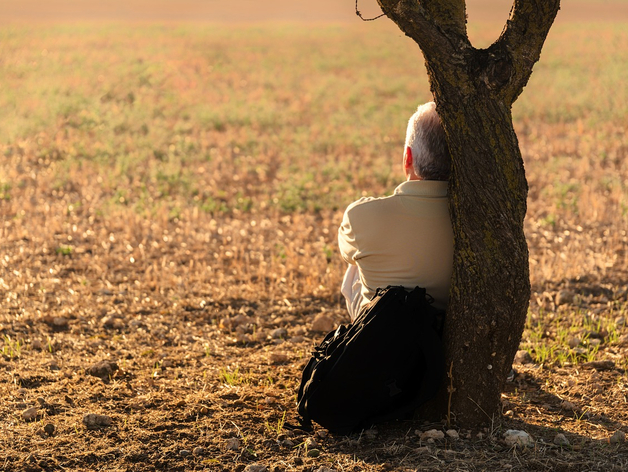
{"x": 185, "y": 381}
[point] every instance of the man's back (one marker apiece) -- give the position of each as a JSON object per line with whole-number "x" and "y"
{"x": 405, "y": 239}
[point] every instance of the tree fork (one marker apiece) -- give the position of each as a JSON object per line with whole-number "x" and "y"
{"x": 474, "y": 90}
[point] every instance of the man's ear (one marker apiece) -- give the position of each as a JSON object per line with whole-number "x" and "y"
{"x": 407, "y": 157}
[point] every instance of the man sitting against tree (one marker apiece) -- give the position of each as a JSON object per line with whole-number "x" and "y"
{"x": 404, "y": 239}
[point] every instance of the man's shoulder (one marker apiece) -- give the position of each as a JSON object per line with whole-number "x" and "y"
{"x": 368, "y": 204}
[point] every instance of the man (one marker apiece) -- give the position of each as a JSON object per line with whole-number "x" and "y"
{"x": 404, "y": 239}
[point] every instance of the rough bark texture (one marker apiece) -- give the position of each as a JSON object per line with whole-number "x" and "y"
{"x": 474, "y": 90}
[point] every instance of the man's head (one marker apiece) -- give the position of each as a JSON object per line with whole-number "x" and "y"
{"x": 426, "y": 156}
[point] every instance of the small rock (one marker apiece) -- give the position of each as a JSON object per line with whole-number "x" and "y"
{"x": 278, "y": 357}
{"x": 573, "y": 342}
{"x": 432, "y": 434}
{"x": 112, "y": 322}
{"x": 60, "y": 322}
{"x": 49, "y": 429}
{"x": 41, "y": 401}
{"x": 232, "y": 444}
{"x": 599, "y": 365}
{"x": 370, "y": 433}
{"x": 322, "y": 323}
{"x": 37, "y": 344}
{"x": 325, "y": 469}
{"x": 313, "y": 453}
{"x": 623, "y": 341}
{"x": 255, "y": 468}
{"x": 452, "y": 433}
{"x": 198, "y": 451}
{"x": 321, "y": 433}
{"x": 287, "y": 443}
{"x": 564, "y": 296}
{"x": 617, "y": 437}
{"x": 239, "y": 320}
{"x": 279, "y": 333}
{"x": 296, "y": 339}
{"x": 311, "y": 443}
{"x": 103, "y": 369}
{"x": 620, "y": 321}
{"x": 184, "y": 452}
{"x": 516, "y": 438}
{"x": 567, "y": 406}
{"x": 30, "y": 414}
{"x": 561, "y": 440}
{"x": 93, "y": 420}
{"x": 522, "y": 357}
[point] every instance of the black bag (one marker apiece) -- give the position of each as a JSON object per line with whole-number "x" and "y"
{"x": 381, "y": 367}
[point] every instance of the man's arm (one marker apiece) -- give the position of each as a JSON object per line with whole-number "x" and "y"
{"x": 346, "y": 239}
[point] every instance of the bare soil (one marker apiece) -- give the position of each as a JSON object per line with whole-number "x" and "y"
{"x": 191, "y": 382}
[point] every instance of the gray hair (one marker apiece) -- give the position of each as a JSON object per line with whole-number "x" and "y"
{"x": 426, "y": 138}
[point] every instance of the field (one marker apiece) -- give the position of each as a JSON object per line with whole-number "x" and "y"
{"x": 169, "y": 201}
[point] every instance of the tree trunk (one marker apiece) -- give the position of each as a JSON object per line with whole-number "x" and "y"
{"x": 474, "y": 90}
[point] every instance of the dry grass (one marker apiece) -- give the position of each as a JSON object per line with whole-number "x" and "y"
{"x": 169, "y": 199}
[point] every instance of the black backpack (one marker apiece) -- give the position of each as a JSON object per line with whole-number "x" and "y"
{"x": 381, "y": 367}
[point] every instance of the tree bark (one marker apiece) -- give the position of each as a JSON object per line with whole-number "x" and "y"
{"x": 474, "y": 90}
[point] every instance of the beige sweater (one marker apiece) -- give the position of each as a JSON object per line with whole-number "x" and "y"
{"x": 405, "y": 239}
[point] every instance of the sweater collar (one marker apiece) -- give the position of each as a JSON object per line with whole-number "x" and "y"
{"x": 423, "y": 188}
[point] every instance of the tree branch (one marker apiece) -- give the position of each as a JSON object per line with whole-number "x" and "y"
{"x": 523, "y": 39}
{"x": 437, "y": 26}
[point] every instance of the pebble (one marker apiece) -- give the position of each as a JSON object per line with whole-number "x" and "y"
{"x": 279, "y": 333}
{"x": 452, "y": 433}
{"x": 41, "y": 401}
{"x": 255, "y": 468}
{"x": 232, "y": 444}
{"x": 313, "y": 452}
{"x": 30, "y": 414}
{"x": 623, "y": 341}
{"x": 287, "y": 443}
{"x": 617, "y": 437}
{"x": 198, "y": 451}
{"x": 184, "y": 452}
{"x": 514, "y": 438}
{"x": 239, "y": 320}
{"x": 561, "y": 440}
{"x": 568, "y": 406}
{"x": 93, "y": 420}
{"x": 311, "y": 443}
{"x": 523, "y": 357}
{"x": 37, "y": 344}
{"x": 325, "y": 469}
{"x": 599, "y": 365}
{"x": 564, "y": 296}
{"x": 432, "y": 434}
{"x": 49, "y": 429}
{"x": 103, "y": 369}
{"x": 60, "y": 322}
{"x": 278, "y": 357}
{"x": 573, "y": 342}
{"x": 620, "y": 321}
{"x": 322, "y": 323}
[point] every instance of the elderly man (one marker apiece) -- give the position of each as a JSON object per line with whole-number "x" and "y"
{"x": 404, "y": 239}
